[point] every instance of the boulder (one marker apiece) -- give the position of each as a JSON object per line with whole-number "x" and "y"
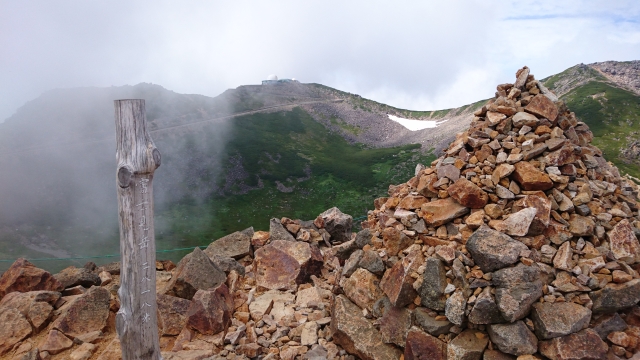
{"x": 195, "y": 272}
{"x": 584, "y": 345}
{"x": 517, "y": 288}
{"x": 492, "y": 250}
{"x": 73, "y": 276}
{"x": 356, "y": 334}
{"x": 468, "y": 345}
{"x": 15, "y": 328}
{"x": 236, "y": 245}
{"x": 515, "y": 338}
{"x": 23, "y": 276}
{"x": 89, "y": 312}
{"x": 552, "y": 320}
{"x": 530, "y": 178}
{"x": 543, "y": 107}
{"x": 36, "y": 306}
{"x": 433, "y": 285}
{"x": 172, "y": 314}
{"x": 337, "y": 224}
{"x": 363, "y": 288}
{"x": 210, "y": 311}
{"x": 428, "y": 323}
{"x": 422, "y": 346}
{"x": 615, "y": 297}
{"x": 440, "y": 212}
{"x": 468, "y": 194}
{"x": 284, "y": 264}
{"x": 278, "y": 232}
{"x": 624, "y": 243}
{"x": 56, "y": 343}
{"x": 394, "y": 325}
{"x": 397, "y": 282}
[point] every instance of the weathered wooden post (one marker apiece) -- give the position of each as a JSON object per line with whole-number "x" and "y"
{"x": 137, "y": 158}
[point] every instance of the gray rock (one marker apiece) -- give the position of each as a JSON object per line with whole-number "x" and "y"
{"x": 317, "y": 352}
{"x": 394, "y": 325}
{"x": 455, "y": 307}
{"x": 422, "y": 346}
{"x": 351, "y": 265}
{"x": 485, "y": 310}
{"x": 363, "y": 237}
{"x": 429, "y": 323}
{"x": 73, "y": 276}
{"x": 337, "y": 224}
{"x": 195, "y": 272}
{"x": 467, "y": 346}
{"x": 278, "y": 232}
{"x": 551, "y": 320}
{"x": 608, "y": 323}
{"x": 433, "y": 284}
{"x": 236, "y": 245}
{"x": 227, "y": 264}
{"x": 372, "y": 262}
{"x": 517, "y": 288}
{"x": 515, "y": 339}
{"x": 615, "y": 297}
{"x": 585, "y": 344}
{"x": 492, "y": 250}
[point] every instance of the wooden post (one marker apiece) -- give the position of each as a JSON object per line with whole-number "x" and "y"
{"x": 137, "y": 158}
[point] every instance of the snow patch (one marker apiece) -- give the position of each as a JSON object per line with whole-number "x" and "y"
{"x": 414, "y": 125}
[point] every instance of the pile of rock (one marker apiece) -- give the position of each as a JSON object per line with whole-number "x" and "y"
{"x": 521, "y": 241}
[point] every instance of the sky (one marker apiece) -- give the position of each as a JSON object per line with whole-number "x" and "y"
{"x": 418, "y": 55}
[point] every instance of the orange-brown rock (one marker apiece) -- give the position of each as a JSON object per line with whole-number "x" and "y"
{"x": 541, "y": 105}
{"x": 363, "y": 288}
{"x": 422, "y": 346}
{"x": 395, "y": 240}
{"x": 56, "y": 343}
{"x": 210, "y": 311}
{"x": 542, "y": 205}
{"x": 284, "y": 264}
{"x": 468, "y": 194}
{"x": 530, "y": 178}
{"x": 14, "y": 329}
{"x": 397, "y": 282}
{"x": 623, "y": 242}
{"x": 172, "y": 312}
{"x": 585, "y": 344}
{"x": 87, "y": 313}
{"x": 442, "y": 211}
{"x": 23, "y": 276}
{"x": 564, "y": 155}
{"x": 412, "y": 202}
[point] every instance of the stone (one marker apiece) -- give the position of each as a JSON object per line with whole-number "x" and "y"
{"x": 522, "y": 118}
{"x": 515, "y": 338}
{"x": 517, "y": 288}
{"x": 615, "y": 297}
{"x": 440, "y": 212}
{"x": 284, "y": 264}
{"x": 455, "y": 308}
{"x": 543, "y": 107}
{"x": 33, "y": 354}
{"x": 352, "y": 263}
{"x": 211, "y": 310}
{"x": 112, "y": 351}
{"x": 608, "y": 323}
{"x": 394, "y": 325}
{"x": 563, "y": 259}
{"x": 309, "y": 334}
{"x": 172, "y": 314}
{"x": 194, "y": 272}
{"x": 278, "y": 232}
{"x": 485, "y": 309}
{"x": 517, "y": 224}
{"x": 501, "y": 171}
{"x": 499, "y": 355}
{"x": 227, "y": 264}
{"x": 446, "y": 254}
{"x": 337, "y": 224}
{"x": 554, "y": 144}
{"x": 89, "y": 312}
{"x": 533, "y": 152}
{"x": 23, "y": 276}
{"x": 623, "y": 242}
{"x": 372, "y": 262}
{"x": 495, "y": 117}
{"x": 492, "y": 250}
{"x": 412, "y": 202}
{"x": 105, "y": 278}
{"x": 585, "y": 344}
{"x": 542, "y": 218}
{"x": 317, "y": 352}
{"x": 430, "y": 324}
{"x": 363, "y": 289}
{"x": 309, "y": 296}
{"x": 36, "y": 306}
{"x": 521, "y": 77}
{"x": 263, "y": 304}
{"x": 356, "y": 334}
{"x": 56, "y": 343}
{"x": 468, "y": 194}
{"x": 529, "y": 178}
{"x": 467, "y": 346}
{"x": 474, "y": 221}
{"x": 395, "y": 240}
{"x": 581, "y": 225}
{"x": 83, "y": 352}
{"x": 504, "y": 193}
{"x": 73, "y": 276}
{"x": 397, "y": 282}
{"x": 433, "y": 285}
{"x": 422, "y": 346}
{"x": 15, "y": 328}
{"x": 552, "y": 320}
{"x": 236, "y": 245}
{"x": 363, "y": 237}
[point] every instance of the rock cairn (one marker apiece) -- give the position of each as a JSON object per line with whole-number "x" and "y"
{"x": 521, "y": 241}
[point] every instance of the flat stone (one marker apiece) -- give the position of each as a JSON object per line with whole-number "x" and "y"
{"x": 455, "y": 307}
{"x": 412, "y": 202}
{"x": 309, "y": 334}
{"x": 440, "y": 212}
{"x": 467, "y": 345}
{"x": 73, "y": 276}
{"x": 422, "y": 346}
{"x": 581, "y": 225}
{"x": 558, "y": 319}
{"x": 492, "y": 250}
{"x": 521, "y": 77}
{"x": 541, "y": 105}
{"x": 236, "y": 245}
{"x": 485, "y": 310}
{"x": 518, "y": 223}
{"x": 394, "y": 325}
{"x": 337, "y": 224}
{"x": 554, "y": 144}
{"x": 363, "y": 288}
{"x": 504, "y": 193}
{"x": 616, "y": 297}
{"x": 429, "y": 323}
{"x": 522, "y": 118}
{"x": 307, "y": 297}
{"x": 433, "y": 285}
{"x": 517, "y": 288}
{"x": 262, "y": 304}
{"x": 172, "y": 314}
{"x": 89, "y": 312}
{"x": 371, "y": 261}
{"x": 357, "y": 335}
{"x": 563, "y": 156}
{"x": 537, "y": 149}
{"x": 515, "y": 338}
{"x": 495, "y": 117}
{"x": 210, "y": 311}
{"x": 83, "y": 352}
{"x": 542, "y": 218}
{"x": 498, "y": 355}
{"x": 468, "y": 194}
{"x": 585, "y": 344}
{"x": 284, "y": 264}
{"x": 278, "y": 232}
{"x": 15, "y": 328}
{"x": 227, "y": 264}
{"x": 56, "y": 343}
{"x": 530, "y": 178}
{"x": 351, "y": 264}
{"x": 23, "y": 276}
{"x": 397, "y": 282}
{"x": 395, "y": 240}
{"x": 501, "y": 171}
{"x": 623, "y": 242}
{"x": 36, "y": 306}
{"x": 194, "y": 272}
{"x": 608, "y": 323}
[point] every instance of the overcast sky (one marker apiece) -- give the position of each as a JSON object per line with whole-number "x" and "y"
{"x": 420, "y": 55}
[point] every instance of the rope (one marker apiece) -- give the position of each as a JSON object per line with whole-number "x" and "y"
{"x": 100, "y": 256}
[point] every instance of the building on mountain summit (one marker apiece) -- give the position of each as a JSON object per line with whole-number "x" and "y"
{"x": 273, "y": 79}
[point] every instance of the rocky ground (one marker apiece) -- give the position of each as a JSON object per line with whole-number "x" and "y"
{"x": 521, "y": 241}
